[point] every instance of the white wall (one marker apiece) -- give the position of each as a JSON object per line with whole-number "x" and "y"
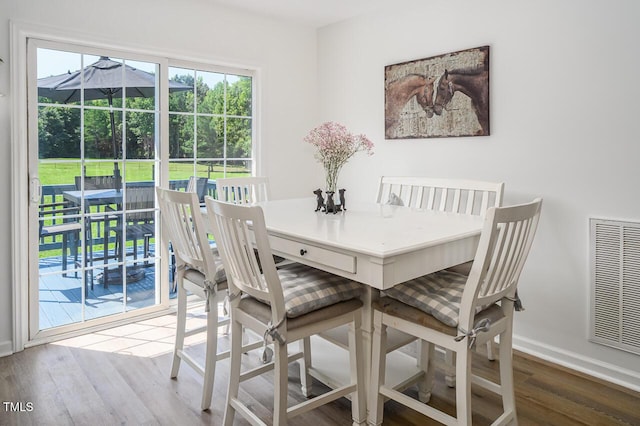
{"x": 563, "y": 104}
{"x": 564, "y": 109}
{"x": 284, "y": 53}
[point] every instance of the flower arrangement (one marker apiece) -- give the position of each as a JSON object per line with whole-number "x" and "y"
{"x": 334, "y": 146}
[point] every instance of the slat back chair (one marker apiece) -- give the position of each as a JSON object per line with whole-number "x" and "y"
{"x": 140, "y": 216}
{"x": 283, "y": 305}
{"x": 449, "y": 195}
{"x": 473, "y": 310}
{"x": 197, "y": 272}
{"x": 60, "y": 219}
{"x": 465, "y": 196}
{"x": 244, "y": 190}
{"x": 199, "y": 186}
{"x": 96, "y": 182}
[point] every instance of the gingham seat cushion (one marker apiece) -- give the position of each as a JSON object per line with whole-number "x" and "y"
{"x": 197, "y": 277}
{"x": 307, "y": 289}
{"x": 438, "y": 294}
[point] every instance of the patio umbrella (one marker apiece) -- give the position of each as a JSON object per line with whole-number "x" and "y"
{"x": 103, "y": 80}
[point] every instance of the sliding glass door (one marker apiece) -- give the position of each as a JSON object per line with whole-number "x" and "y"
{"x": 94, "y": 145}
{"x": 104, "y": 128}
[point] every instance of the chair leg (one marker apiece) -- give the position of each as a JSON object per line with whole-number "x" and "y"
{"x": 74, "y": 247}
{"x": 305, "y": 364}
{"x": 490, "y": 355}
{"x": 64, "y": 253}
{"x": 426, "y": 358}
{"x": 358, "y": 400}
{"x": 234, "y": 372}
{"x": 463, "y": 385}
{"x": 378, "y": 366}
{"x": 181, "y": 320}
{"x": 450, "y": 362}
{"x": 281, "y": 381}
{"x": 505, "y": 355}
{"x": 211, "y": 352}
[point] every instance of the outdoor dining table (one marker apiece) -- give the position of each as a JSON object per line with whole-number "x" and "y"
{"x": 101, "y": 197}
{"x": 378, "y": 245}
{"x": 94, "y": 197}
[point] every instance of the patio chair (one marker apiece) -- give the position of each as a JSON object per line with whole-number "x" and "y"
{"x": 199, "y": 186}
{"x": 96, "y": 182}
{"x": 137, "y": 223}
{"x": 198, "y": 272}
{"x": 60, "y": 219}
{"x": 283, "y": 305}
{"x": 457, "y": 312}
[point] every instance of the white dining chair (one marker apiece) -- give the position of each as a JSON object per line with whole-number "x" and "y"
{"x": 464, "y": 196}
{"x": 197, "y": 272}
{"x": 284, "y": 305}
{"x": 457, "y": 312}
{"x": 243, "y": 190}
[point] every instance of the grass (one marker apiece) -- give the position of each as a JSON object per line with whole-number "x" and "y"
{"x": 63, "y": 172}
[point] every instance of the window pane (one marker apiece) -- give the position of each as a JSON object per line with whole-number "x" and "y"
{"x": 181, "y": 136}
{"x": 98, "y": 139}
{"x": 140, "y": 84}
{"x": 182, "y": 100}
{"x": 210, "y": 137}
{"x": 239, "y": 168}
{"x": 58, "y": 132}
{"x": 52, "y": 67}
{"x": 102, "y": 88}
{"x": 238, "y": 138}
{"x": 239, "y": 95}
{"x": 141, "y": 135}
{"x": 210, "y": 91}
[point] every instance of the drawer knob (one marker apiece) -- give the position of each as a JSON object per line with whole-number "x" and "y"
{"x": 303, "y": 252}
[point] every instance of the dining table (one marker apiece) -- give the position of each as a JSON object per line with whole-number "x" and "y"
{"x": 103, "y": 197}
{"x": 378, "y": 245}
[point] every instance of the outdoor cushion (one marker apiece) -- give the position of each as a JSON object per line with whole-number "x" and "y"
{"x": 307, "y": 289}
{"x": 438, "y": 294}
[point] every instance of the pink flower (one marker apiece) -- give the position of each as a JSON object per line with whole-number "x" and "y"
{"x": 335, "y": 144}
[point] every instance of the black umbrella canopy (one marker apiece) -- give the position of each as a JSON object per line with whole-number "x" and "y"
{"x": 102, "y": 80}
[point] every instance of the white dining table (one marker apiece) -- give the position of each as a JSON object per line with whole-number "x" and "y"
{"x": 377, "y": 245}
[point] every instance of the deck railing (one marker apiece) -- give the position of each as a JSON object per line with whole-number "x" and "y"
{"x": 52, "y": 194}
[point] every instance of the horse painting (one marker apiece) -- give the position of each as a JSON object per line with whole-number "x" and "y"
{"x": 400, "y": 91}
{"x": 474, "y": 83}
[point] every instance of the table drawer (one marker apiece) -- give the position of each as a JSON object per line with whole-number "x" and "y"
{"x": 296, "y": 250}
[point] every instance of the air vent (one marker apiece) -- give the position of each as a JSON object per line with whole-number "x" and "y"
{"x": 615, "y": 272}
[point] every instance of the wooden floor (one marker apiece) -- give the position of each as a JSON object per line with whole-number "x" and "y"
{"x": 121, "y": 376}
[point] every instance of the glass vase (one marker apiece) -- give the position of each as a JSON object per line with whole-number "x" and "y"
{"x": 331, "y": 178}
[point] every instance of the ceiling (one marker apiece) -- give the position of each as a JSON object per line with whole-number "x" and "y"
{"x": 316, "y": 13}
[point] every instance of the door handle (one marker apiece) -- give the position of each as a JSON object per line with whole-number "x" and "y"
{"x": 35, "y": 190}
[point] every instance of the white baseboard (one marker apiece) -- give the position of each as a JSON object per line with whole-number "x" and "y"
{"x": 593, "y": 367}
{"x": 6, "y": 348}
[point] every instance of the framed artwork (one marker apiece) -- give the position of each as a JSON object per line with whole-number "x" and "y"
{"x": 440, "y": 96}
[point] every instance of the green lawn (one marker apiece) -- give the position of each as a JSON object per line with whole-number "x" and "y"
{"x": 60, "y": 172}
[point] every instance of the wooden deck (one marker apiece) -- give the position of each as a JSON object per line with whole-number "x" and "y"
{"x": 60, "y": 296}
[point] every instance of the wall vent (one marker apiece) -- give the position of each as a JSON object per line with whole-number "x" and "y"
{"x": 615, "y": 277}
